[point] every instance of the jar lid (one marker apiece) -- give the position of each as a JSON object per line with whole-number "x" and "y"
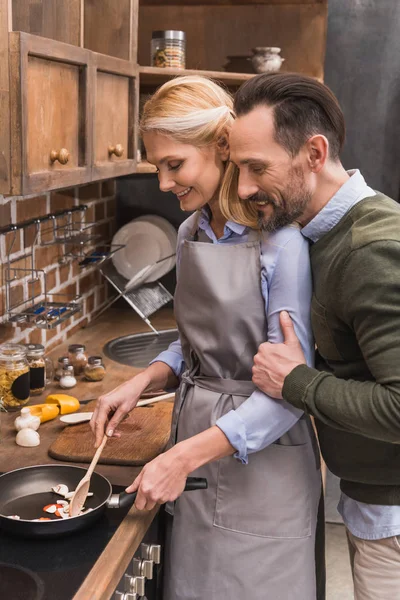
{"x": 68, "y": 370}
{"x": 63, "y": 360}
{"x": 95, "y": 360}
{"x": 76, "y": 348}
{"x": 34, "y": 350}
{"x": 12, "y": 351}
{"x": 169, "y": 34}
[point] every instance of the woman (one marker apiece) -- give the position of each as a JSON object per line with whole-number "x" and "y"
{"x": 251, "y": 534}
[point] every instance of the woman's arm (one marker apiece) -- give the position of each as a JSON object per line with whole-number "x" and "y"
{"x": 287, "y": 285}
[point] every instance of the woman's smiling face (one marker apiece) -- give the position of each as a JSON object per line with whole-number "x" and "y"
{"x": 193, "y": 174}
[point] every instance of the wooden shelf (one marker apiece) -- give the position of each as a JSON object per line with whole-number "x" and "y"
{"x": 145, "y": 167}
{"x": 157, "y": 76}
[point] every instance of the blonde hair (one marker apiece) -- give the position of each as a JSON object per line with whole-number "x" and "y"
{"x": 232, "y": 207}
{"x": 196, "y": 110}
{"x": 192, "y": 110}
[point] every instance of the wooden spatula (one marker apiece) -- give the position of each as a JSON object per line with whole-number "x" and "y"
{"x": 81, "y": 492}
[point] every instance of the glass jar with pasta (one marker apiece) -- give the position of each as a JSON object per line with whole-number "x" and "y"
{"x": 14, "y": 376}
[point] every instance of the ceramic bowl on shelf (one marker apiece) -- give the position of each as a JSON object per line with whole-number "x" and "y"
{"x": 147, "y": 240}
{"x": 266, "y": 59}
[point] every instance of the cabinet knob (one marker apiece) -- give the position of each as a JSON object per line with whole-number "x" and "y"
{"x": 61, "y": 155}
{"x": 118, "y": 150}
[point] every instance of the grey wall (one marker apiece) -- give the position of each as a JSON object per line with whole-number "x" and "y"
{"x": 362, "y": 68}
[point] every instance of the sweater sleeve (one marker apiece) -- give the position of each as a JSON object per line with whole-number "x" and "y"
{"x": 369, "y": 304}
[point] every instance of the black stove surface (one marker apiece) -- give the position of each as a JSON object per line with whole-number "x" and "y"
{"x": 54, "y": 569}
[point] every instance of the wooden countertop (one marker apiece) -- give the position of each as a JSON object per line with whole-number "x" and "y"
{"x": 110, "y": 566}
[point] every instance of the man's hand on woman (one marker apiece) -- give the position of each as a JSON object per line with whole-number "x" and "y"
{"x": 273, "y": 362}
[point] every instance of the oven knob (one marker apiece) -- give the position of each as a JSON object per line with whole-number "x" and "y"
{"x": 143, "y": 567}
{"x": 151, "y": 552}
{"x": 135, "y": 585}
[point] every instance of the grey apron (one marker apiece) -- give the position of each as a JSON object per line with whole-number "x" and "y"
{"x": 251, "y": 534}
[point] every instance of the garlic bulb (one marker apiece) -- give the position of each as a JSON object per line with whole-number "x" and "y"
{"x": 26, "y": 420}
{"x": 28, "y": 438}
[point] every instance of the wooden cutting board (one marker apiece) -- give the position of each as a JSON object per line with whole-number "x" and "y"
{"x": 144, "y": 434}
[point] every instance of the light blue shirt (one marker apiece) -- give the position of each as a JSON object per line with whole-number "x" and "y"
{"x": 286, "y": 285}
{"x": 366, "y": 521}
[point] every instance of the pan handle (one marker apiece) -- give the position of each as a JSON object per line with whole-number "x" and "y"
{"x": 123, "y": 500}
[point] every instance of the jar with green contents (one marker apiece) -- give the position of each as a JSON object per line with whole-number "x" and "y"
{"x": 14, "y": 376}
{"x": 168, "y": 49}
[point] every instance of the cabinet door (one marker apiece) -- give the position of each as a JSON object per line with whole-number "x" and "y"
{"x": 50, "y": 114}
{"x": 114, "y": 144}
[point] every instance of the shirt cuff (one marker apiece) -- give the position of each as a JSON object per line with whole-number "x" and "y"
{"x": 235, "y": 430}
{"x": 173, "y": 360}
{"x": 296, "y": 383}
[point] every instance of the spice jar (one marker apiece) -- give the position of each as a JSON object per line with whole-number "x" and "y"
{"x": 62, "y": 362}
{"x": 168, "y": 49}
{"x": 35, "y": 356}
{"x": 14, "y": 376}
{"x": 77, "y": 357}
{"x": 67, "y": 379}
{"x": 95, "y": 370}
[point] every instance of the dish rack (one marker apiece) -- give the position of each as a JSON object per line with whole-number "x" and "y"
{"x": 145, "y": 299}
{"x": 42, "y": 309}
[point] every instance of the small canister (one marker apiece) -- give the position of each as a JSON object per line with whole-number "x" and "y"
{"x": 14, "y": 376}
{"x": 77, "y": 357}
{"x": 35, "y": 356}
{"x": 62, "y": 362}
{"x": 95, "y": 370}
{"x": 168, "y": 49}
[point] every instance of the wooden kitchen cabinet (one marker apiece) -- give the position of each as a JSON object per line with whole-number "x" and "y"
{"x": 50, "y": 99}
{"x": 115, "y": 112}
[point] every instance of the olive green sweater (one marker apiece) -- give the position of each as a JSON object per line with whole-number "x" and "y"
{"x": 354, "y": 391}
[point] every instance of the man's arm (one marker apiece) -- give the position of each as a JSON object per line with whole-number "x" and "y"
{"x": 370, "y": 305}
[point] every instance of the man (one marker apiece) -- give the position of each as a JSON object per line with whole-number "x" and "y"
{"x": 286, "y": 142}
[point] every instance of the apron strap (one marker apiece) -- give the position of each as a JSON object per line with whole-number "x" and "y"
{"x": 231, "y": 387}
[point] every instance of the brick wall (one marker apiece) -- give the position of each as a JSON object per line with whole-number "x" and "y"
{"x": 60, "y": 278}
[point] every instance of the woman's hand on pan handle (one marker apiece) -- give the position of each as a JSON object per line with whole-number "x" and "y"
{"x": 112, "y": 407}
{"x": 164, "y": 478}
{"x": 161, "y": 480}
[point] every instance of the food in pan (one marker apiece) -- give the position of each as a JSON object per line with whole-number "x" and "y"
{"x": 60, "y": 508}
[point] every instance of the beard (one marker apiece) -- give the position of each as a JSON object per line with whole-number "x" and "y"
{"x": 294, "y": 199}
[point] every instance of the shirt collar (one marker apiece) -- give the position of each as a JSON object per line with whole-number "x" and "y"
{"x": 230, "y": 226}
{"x": 351, "y": 192}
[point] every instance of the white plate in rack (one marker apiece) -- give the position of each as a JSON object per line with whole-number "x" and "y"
{"x": 147, "y": 240}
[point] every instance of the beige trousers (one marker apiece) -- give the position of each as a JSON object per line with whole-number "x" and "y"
{"x": 375, "y": 565}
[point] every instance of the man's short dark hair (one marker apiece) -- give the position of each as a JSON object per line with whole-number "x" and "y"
{"x": 303, "y": 107}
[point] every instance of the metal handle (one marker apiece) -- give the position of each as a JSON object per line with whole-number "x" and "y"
{"x": 135, "y": 585}
{"x": 61, "y": 155}
{"x": 118, "y": 150}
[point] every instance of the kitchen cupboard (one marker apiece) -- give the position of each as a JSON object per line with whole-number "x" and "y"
{"x": 73, "y": 74}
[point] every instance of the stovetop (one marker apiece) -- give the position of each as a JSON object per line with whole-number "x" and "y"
{"x": 54, "y": 569}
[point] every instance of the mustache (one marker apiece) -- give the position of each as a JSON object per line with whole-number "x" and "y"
{"x": 261, "y": 197}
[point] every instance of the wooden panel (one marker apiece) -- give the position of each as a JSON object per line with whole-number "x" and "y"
{"x": 4, "y": 101}
{"x": 111, "y": 121}
{"x": 214, "y": 33}
{"x": 225, "y": 2}
{"x": 52, "y": 113}
{"x": 108, "y": 27}
{"x": 48, "y": 18}
{"x": 50, "y": 110}
{"x": 154, "y": 76}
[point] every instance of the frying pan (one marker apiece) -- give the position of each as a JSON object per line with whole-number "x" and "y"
{"x": 26, "y": 491}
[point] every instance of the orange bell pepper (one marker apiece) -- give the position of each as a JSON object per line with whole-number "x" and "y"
{"x": 45, "y": 412}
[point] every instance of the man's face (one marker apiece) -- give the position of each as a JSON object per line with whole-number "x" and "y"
{"x": 268, "y": 174}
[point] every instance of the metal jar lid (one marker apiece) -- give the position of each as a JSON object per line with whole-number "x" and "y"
{"x": 95, "y": 361}
{"x": 68, "y": 370}
{"x": 34, "y": 350}
{"x": 169, "y": 34}
{"x": 63, "y": 360}
{"x": 76, "y": 348}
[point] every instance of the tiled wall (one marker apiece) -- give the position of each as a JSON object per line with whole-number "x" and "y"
{"x": 61, "y": 278}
